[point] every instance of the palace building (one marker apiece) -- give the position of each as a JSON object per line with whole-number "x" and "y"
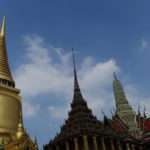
{"x": 13, "y": 136}
{"x": 126, "y": 130}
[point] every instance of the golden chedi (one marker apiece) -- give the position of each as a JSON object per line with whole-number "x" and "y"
{"x": 10, "y": 103}
{"x": 12, "y": 133}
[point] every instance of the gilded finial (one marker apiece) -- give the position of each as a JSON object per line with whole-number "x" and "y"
{"x": 20, "y": 129}
{"x": 2, "y": 33}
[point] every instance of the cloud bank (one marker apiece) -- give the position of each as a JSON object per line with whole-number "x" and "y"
{"x": 45, "y": 78}
{"x": 48, "y": 71}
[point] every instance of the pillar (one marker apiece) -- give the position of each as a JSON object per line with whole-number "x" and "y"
{"x": 49, "y": 148}
{"x": 112, "y": 145}
{"x": 85, "y": 141}
{"x": 95, "y": 143}
{"x": 76, "y": 144}
{"x": 67, "y": 146}
{"x": 133, "y": 147}
{"x": 57, "y": 147}
{"x": 127, "y": 146}
{"x": 103, "y": 143}
{"x": 141, "y": 148}
{"x": 119, "y": 145}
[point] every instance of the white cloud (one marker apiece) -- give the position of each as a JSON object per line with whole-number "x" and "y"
{"x": 135, "y": 98}
{"x": 58, "y": 112}
{"x": 99, "y": 75}
{"x": 30, "y": 109}
{"x": 145, "y": 45}
{"x": 145, "y": 102}
{"x": 42, "y": 74}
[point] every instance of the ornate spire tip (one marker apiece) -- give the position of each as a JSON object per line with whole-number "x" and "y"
{"x": 73, "y": 58}
{"x": 115, "y": 77}
{"x": 2, "y": 32}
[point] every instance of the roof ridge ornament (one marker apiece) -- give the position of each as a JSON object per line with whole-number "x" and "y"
{"x": 144, "y": 113}
{"x": 139, "y": 113}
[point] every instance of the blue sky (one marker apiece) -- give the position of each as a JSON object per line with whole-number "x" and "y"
{"x": 107, "y": 36}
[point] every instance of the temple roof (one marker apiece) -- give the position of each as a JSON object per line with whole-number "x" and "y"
{"x": 116, "y": 126}
{"x": 81, "y": 120}
{"x": 147, "y": 125}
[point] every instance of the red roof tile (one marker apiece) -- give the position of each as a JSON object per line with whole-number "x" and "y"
{"x": 147, "y": 125}
{"x": 115, "y": 125}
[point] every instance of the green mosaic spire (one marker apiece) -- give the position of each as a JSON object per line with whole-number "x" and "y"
{"x": 120, "y": 97}
{"x": 123, "y": 108}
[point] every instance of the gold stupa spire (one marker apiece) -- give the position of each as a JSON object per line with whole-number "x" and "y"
{"x": 5, "y": 74}
{"x": 20, "y": 129}
{"x": 2, "y": 33}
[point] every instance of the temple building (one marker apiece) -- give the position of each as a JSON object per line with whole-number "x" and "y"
{"x": 82, "y": 130}
{"x": 126, "y": 130}
{"x": 123, "y": 108}
{"x": 12, "y": 133}
{"x": 135, "y": 127}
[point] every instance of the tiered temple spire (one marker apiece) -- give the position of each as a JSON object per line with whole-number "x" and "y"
{"x": 120, "y": 97}
{"x": 20, "y": 130}
{"x": 123, "y": 108}
{"x": 5, "y": 74}
{"x": 80, "y": 126}
{"x": 77, "y": 93}
{"x": 12, "y": 132}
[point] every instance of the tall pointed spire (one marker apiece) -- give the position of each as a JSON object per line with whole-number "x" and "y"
{"x": 77, "y": 93}
{"x": 2, "y": 32}
{"x": 115, "y": 77}
{"x": 123, "y": 108}
{"x": 20, "y": 129}
{"x": 5, "y": 74}
{"x": 120, "y": 97}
